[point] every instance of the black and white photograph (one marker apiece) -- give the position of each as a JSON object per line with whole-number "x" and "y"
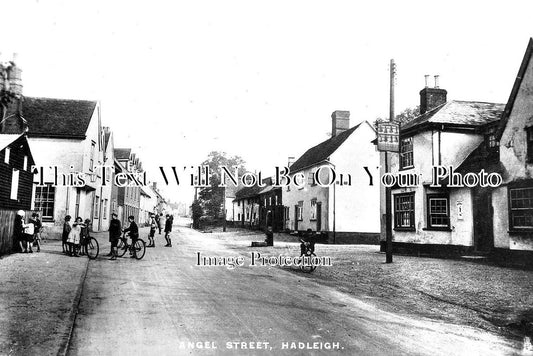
{"x": 232, "y": 177}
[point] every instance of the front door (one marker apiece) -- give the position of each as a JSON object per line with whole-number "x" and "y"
{"x": 296, "y": 218}
{"x": 318, "y": 217}
{"x": 483, "y": 221}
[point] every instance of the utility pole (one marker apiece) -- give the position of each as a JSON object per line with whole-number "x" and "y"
{"x": 388, "y": 198}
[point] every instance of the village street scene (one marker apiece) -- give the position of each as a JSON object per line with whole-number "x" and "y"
{"x": 227, "y": 179}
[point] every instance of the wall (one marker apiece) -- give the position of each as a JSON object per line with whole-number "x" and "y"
{"x": 453, "y": 149}
{"x": 513, "y": 155}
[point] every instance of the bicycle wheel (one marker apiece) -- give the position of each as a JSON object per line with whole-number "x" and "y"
{"x": 140, "y": 248}
{"x": 306, "y": 265}
{"x": 121, "y": 247}
{"x": 92, "y": 248}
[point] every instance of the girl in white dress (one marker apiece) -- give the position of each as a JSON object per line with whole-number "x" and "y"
{"x": 74, "y": 237}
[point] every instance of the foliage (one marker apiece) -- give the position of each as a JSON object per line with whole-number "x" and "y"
{"x": 404, "y": 117}
{"x": 211, "y": 198}
{"x": 197, "y": 213}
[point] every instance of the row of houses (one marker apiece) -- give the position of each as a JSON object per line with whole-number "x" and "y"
{"x": 46, "y": 145}
{"x": 474, "y": 138}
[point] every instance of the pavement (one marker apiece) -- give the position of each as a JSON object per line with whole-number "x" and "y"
{"x": 166, "y": 305}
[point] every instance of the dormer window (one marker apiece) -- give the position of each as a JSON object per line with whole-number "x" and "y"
{"x": 6, "y": 155}
{"x": 406, "y": 153}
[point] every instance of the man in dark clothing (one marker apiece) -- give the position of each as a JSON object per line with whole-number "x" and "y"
{"x": 66, "y": 231}
{"x": 133, "y": 230}
{"x": 168, "y": 229}
{"x": 308, "y": 239}
{"x": 115, "y": 230}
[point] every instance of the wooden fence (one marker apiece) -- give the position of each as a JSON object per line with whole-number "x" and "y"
{"x": 7, "y": 220}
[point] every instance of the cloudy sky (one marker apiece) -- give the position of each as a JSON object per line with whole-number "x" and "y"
{"x": 259, "y": 79}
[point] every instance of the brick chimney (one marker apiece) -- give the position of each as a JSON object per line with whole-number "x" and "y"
{"x": 340, "y": 122}
{"x": 430, "y": 98}
{"x": 10, "y": 81}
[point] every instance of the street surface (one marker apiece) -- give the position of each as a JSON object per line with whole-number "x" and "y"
{"x": 166, "y": 305}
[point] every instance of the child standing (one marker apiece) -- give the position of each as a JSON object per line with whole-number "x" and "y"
{"x": 153, "y": 227}
{"x": 74, "y": 237}
{"x": 66, "y": 231}
{"x": 37, "y": 230}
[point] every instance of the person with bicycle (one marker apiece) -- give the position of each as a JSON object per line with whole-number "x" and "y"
{"x": 307, "y": 242}
{"x": 115, "y": 230}
{"x": 133, "y": 232}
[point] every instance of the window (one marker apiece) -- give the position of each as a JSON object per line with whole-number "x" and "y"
{"x": 269, "y": 201}
{"x": 521, "y": 208}
{"x": 300, "y": 211}
{"x": 91, "y": 158}
{"x": 6, "y": 155}
{"x": 287, "y": 213}
{"x": 44, "y": 201}
{"x": 406, "y": 153}
{"x": 438, "y": 211}
{"x": 276, "y": 200}
{"x": 313, "y": 209}
{"x": 404, "y": 211}
{"x": 15, "y": 184}
{"x": 25, "y": 164}
{"x": 77, "y": 208}
{"x": 529, "y": 131}
{"x": 239, "y": 216}
{"x": 96, "y": 209}
{"x": 104, "y": 208}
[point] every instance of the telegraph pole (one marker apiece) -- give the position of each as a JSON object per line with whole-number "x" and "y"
{"x": 388, "y": 198}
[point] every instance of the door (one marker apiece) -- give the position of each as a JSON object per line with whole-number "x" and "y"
{"x": 296, "y": 218}
{"x": 483, "y": 221}
{"x": 318, "y": 216}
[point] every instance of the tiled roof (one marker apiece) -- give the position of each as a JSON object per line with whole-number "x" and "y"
{"x": 7, "y": 139}
{"x": 122, "y": 153}
{"x": 321, "y": 151}
{"x": 48, "y": 117}
{"x": 480, "y": 159}
{"x": 516, "y": 86}
{"x": 458, "y": 113}
{"x": 248, "y": 192}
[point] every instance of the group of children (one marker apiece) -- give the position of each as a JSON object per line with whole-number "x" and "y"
{"x": 28, "y": 234}
{"x": 156, "y": 222}
{"x": 75, "y": 236}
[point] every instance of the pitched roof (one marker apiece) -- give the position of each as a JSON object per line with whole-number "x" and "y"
{"x": 457, "y": 113}
{"x": 321, "y": 151}
{"x": 480, "y": 159}
{"x": 7, "y": 139}
{"x": 516, "y": 87}
{"x": 61, "y": 118}
{"x": 122, "y": 153}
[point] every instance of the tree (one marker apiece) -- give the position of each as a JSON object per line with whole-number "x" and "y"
{"x": 211, "y": 198}
{"x": 404, "y": 117}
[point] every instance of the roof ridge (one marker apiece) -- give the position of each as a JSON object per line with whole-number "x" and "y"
{"x": 64, "y": 99}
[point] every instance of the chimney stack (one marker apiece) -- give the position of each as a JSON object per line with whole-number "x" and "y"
{"x": 290, "y": 161}
{"x": 430, "y": 98}
{"x": 340, "y": 122}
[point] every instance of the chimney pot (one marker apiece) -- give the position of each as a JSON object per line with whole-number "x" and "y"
{"x": 426, "y": 78}
{"x": 436, "y": 81}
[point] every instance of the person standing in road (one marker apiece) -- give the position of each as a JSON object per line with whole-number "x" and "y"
{"x": 160, "y": 222}
{"x": 133, "y": 230}
{"x": 168, "y": 229}
{"x": 66, "y": 231}
{"x": 115, "y": 230}
{"x": 74, "y": 237}
{"x": 38, "y": 225}
{"x": 153, "y": 226}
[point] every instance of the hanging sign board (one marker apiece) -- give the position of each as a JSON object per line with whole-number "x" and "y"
{"x": 388, "y": 136}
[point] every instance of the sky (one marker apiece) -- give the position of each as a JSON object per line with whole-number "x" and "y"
{"x": 258, "y": 79}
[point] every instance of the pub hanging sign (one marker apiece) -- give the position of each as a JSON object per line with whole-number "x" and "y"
{"x": 388, "y": 136}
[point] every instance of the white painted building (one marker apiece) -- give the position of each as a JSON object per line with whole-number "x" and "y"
{"x": 347, "y": 211}
{"x": 67, "y": 134}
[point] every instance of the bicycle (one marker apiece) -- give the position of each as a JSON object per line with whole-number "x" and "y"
{"x": 306, "y": 257}
{"x": 91, "y": 248}
{"x": 138, "y": 250}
